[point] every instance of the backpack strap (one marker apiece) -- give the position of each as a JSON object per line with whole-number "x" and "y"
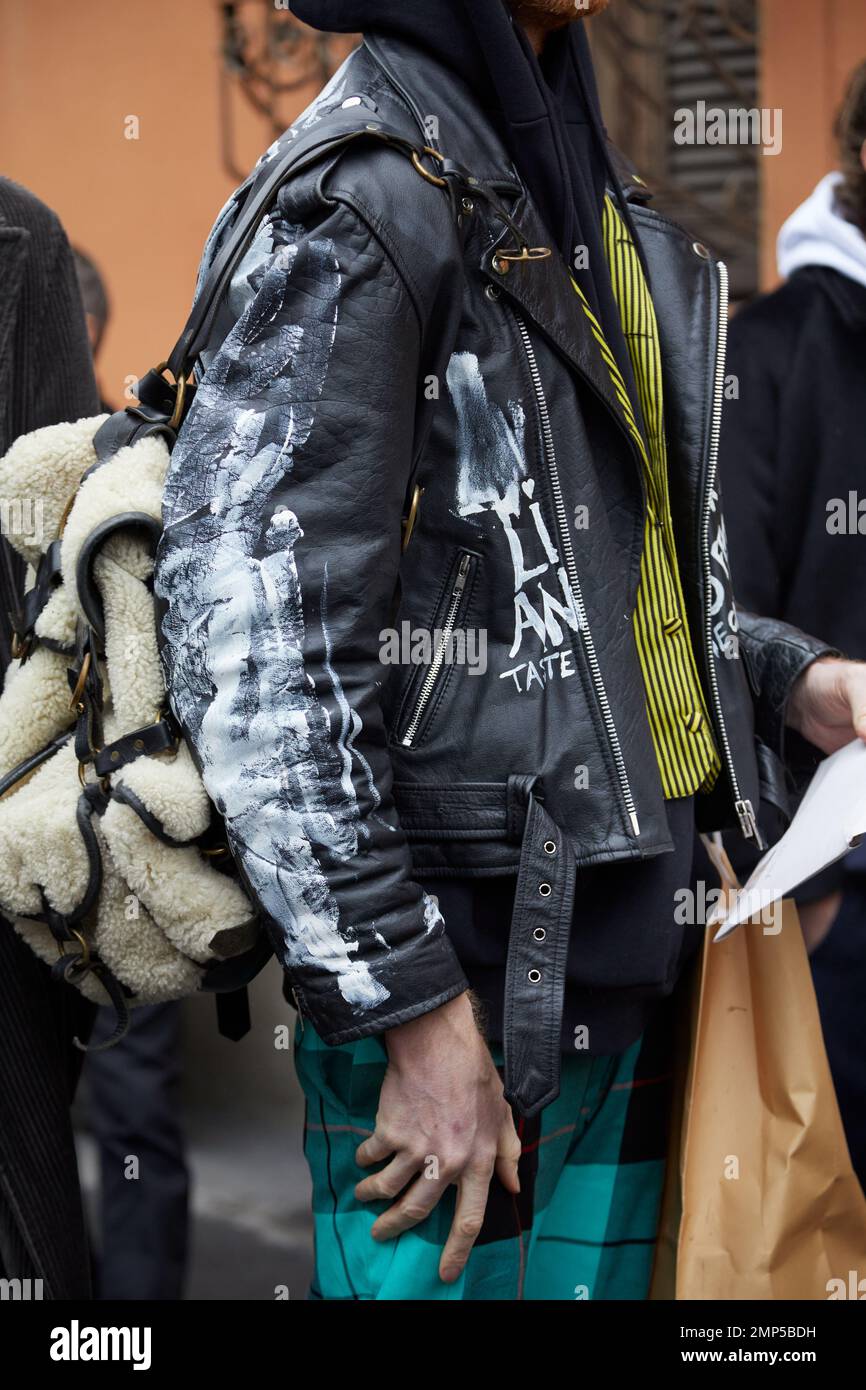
{"x": 26, "y": 615}
{"x": 259, "y": 195}
{"x": 162, "y": 403}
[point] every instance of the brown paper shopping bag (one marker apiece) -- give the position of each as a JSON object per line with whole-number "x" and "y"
{"x": 761, "y": 1200}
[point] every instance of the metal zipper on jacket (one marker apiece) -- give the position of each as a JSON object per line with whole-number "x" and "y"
{"x": 439, "y": 657}
{"x": 573, "y": 578}
{"x": 744, "y": 808}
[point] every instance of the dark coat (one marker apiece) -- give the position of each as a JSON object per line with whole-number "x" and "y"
{"x": 46, "y": 376}
{"x": 792, "y": 453}
{"x": 793, "y": 443}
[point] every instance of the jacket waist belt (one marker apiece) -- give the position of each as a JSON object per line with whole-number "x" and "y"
{"x": 536, "y": 965}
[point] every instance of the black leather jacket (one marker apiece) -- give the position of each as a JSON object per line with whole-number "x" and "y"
{"x": 374, "y": 341}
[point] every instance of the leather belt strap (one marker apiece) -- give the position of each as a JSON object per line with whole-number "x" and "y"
{"x": 147, "y": 741}
{"x": 88, "y": 728}
{"x": 139, "y": 524}
{"x": 233, "y": 1014}
{"x": 537, "y": 953}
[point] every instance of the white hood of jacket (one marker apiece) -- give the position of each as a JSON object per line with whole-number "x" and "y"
{"x": 818, "y": 234}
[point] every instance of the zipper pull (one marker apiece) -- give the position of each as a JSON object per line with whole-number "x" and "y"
{"x": 749, "y": 823}
{"x": 460, "y": 581}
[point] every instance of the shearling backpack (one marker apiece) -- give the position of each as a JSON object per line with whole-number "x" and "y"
{"x": 114, "y": 863}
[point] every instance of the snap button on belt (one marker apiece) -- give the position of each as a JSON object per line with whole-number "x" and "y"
{"x": 537, "y": 952}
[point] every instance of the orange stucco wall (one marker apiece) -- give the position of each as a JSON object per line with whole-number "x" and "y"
{"x": 808, "y": 49}
{"x": 70, "y": 75}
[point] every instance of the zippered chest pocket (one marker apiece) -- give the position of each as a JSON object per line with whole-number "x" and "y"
{"x": 436, "y": 651}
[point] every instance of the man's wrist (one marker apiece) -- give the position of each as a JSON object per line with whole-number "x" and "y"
{"x": 458, "y": 1014}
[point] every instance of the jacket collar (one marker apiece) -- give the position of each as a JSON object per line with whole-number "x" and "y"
{"x": 446, "y": 110}
{"x": 461, "y": 130}
{"x": 459, "y": 126}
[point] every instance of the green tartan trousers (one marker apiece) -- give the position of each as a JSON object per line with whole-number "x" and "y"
{"x": 591, "y": 1174}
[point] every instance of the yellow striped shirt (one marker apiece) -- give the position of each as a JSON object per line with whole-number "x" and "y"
{"x": 681, "y": 732}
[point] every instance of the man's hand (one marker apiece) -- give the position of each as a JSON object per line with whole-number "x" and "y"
{"x": 828, "y": 703}
{"x": 442, "y": 1115}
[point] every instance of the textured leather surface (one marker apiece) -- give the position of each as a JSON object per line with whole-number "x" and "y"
{"x": 779, "y": 654}
{"x": 535, "y": 970}
{"x": 370, "y": 341}
{"x": 149, "y": 740}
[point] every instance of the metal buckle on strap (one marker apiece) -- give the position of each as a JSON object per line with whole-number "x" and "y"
{"x": 84, "y": 961}
{"x": 180, "y": 385}
{"x": 75, "y": 704}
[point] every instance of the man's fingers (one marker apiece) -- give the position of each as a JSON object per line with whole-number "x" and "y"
{"x": 374, "y": 1150}
{"x": 472, "y": 1193}
{"x": 508, "y": 1157}
{"x": 389, "y": 1181}
{"x": 856, "y": 690}
{"x": 413, "y": 1207}
{"x": 846, "y": 689}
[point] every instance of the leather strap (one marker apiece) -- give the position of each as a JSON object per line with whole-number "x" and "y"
{"x": 89, "y": 597}
{"x": 126, "y": 427}
{"x": 535, "y": 969}
{"x": 88, "y": 728}
{"x": 233, "y": 1014}
{"x": 124, "y": 794}
{"x": 156, "y": 395}
{"x": 153, "y": 738}
{"x": 258, "y": 198}
{"x": 92, "y": 801}
{"x": 72, "y": 967}
{"x": 23, "y": 769}
{"x": 116, "y": 993}
{"x": 48, "y": 576}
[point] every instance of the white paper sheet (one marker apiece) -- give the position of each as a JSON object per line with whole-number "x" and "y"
{"x": 831, "y": 819}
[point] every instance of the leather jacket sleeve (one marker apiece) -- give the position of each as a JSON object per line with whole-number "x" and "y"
{"x": 278, "y": 570}
{"x": 776, "y": 655}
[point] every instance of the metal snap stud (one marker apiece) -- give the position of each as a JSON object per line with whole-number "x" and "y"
{"x": 539, "y": 933}
{"x": 545, "y": 890}
{"x": 700, "y": 250}
{"x": 500, "y": 265}
{"x": 549, "y": 847}
{"x": 492, "y": 291}
{"x": 534, "y": 976}
{"x": 468, "y": 206}
{"x": 350, "y": 101}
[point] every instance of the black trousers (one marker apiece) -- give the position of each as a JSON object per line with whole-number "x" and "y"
{"x": 134, "y": 1107}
